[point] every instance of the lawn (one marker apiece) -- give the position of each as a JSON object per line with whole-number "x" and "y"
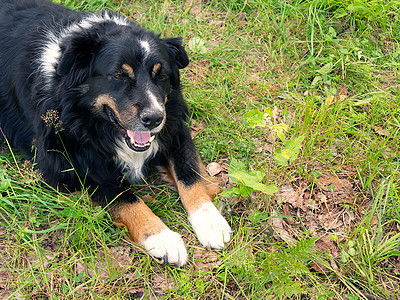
{"x": 295, "y": 108}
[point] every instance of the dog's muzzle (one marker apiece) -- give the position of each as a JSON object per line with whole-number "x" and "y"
{"x": 136, "y": 140}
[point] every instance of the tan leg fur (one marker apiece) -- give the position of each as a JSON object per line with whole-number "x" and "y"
{"x": 138, "y": 218}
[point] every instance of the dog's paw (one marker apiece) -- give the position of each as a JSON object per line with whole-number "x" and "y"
{"x": 167, "y": 245}
{"x": 210, "y": 226}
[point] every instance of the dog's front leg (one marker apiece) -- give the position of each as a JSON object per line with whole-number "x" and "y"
{"x": 196, "y": 190}
{"x": 147, "y": 230}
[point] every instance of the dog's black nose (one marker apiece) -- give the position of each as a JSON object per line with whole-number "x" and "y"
{"x": 151, "y": 119}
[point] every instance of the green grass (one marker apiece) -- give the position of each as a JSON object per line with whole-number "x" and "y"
{"x": 329, "y": 70}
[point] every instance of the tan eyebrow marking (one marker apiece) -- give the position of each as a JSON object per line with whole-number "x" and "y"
{"x": 128, "y": 70}
{"x": 156, "y": 68}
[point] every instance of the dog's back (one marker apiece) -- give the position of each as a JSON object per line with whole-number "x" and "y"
{"x": 23, "y": 25}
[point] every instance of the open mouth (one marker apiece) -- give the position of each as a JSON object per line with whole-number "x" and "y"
{"x": 139, "y": 140}
{"x": 136, "y": 140}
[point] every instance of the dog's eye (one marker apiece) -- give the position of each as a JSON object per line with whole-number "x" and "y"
{"x": 119, "y": 76}
{"x": 161, "y": 75}
{"x": 158, "y": 72}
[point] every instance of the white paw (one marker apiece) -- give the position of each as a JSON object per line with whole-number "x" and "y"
{"x": 167, "y": 245}
{"x": 210, "y": 226}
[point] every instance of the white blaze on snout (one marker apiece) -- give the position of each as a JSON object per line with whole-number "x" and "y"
{"x": 156, "y": 106}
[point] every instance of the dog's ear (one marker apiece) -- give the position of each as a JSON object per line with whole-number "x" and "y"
{"x": 76, "y": 60}
{"x": 177, "y": 51}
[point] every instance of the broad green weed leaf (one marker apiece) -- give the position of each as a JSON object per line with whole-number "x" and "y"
{"x": 253, "y": 181}
{"x": 245, "y": 191}
{"x": 286, "y": 156}
{"x": 268, "y": 111}
{"x": 280, "y": 130}
{"x": 255, "y": 118}
{"x": 282, "y": 157}
{"x": 266, "y": 189}
{"x": 249, "y": 180}
{"x": 5, "y": 182}
{"x": 236, "y": 165}
{"x": 359, "y": 7}
{"x": 352, "y": 297}
{"x": 230, "y": 192}
{"x": 242, "y": 177}
{"x": 258, "y": 174}
{"x": 340, "y": 13}
{"x": 295, "y": 144}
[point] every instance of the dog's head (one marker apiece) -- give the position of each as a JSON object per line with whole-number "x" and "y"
{"x": 125, "y": 75}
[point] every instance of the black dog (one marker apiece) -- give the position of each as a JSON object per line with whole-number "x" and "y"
{"x": 100, "y": 99}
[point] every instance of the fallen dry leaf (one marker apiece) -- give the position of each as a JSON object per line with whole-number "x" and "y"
{"x": 121, "y": 255}
{"x": 335, "y": 187}
{"x": 289, "y": 195}
{"x": 326, "y": 244}
{"x": 34, "y": 261}
{"x": 321, "y": 197}
{"x": 277, "y": 224}
{"x": 196, "y": 127}
{"x": 214, "y": 169}
{"x": 226, "y": 181}
{"x": 379, "y": 130}
{"x": 331, "y": 220}
{"x": 333, "y": 264}
{"x": 287, "y": 213}
{"x": 206, "y": 260}
{"x": 340, "y": 96}
{"x": 319, "y": 268}
{"x": 312, "y": 226}
{"x": 162, "y": 283}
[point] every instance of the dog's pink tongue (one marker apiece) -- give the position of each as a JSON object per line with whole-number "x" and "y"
{"x": 140, "y": 137}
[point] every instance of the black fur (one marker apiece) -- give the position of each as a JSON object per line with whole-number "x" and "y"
{"x": 57, "y": 109}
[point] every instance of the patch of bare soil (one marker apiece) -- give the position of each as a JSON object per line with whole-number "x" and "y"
{"x": 321, "y": 210}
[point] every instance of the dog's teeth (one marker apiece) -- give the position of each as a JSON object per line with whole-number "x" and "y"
{"x": 141, "y": 145}
{"x": 133, "y": 142}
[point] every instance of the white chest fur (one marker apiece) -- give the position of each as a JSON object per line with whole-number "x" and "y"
{"x": 132, "y": 162}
